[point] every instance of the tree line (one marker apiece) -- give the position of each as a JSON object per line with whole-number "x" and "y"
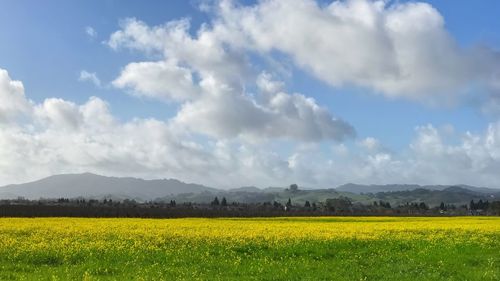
{"x": 220, "y": 207}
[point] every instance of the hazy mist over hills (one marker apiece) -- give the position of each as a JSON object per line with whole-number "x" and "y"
{"x": 374, "y": 188}
{"x": 89, "y": 185}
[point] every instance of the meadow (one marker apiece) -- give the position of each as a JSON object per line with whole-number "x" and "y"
{"x": 326, "y": 248}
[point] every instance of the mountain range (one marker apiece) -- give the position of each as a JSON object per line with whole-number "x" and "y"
{"x": 374, "y": 188}
{"x": 89, "y": 185}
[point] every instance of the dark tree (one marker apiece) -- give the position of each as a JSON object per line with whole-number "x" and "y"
{"x": 494, "y": 207}
{"x": 386, "y": 205}
{"x": 480, "y": 205}
{"x": 294, "y": 187}
{"x": 442, "y": 207}
{"x": 307, "y": 204}
{"x": 215, "y": 202}
{"x": 341, "y": 204}
{"x": 289, "y": 203}
{"x": 223, "y": 202}
{"x": 277, "y": 205}
{"x": 422, "y": 206}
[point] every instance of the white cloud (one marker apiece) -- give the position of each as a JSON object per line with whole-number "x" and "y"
{"x": 397, "y": 49}
{"x": 12, "y": 99}
{"x": 204, "y": 53}
{"x": 58, "y": 113}
{"x": 91, "y": 77}
{"x": 475, "y": 159}
{"x": 222, "y": 113}
{"x": 266, "y": 83}
{"x": 135, "y": 34}
{"x": 59, "y": 136}
{"x": 370, "y": 144}
{"x": 90, "y": 31}
{"x": 163, "y": 80}
{"x": 217, "y": 104}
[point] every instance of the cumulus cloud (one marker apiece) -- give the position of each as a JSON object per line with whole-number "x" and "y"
{"x": 365, "y": 43}
{"x": 13, "y": 102}
{"x": 204, "y": 53}
{"x": 474, "y": 159}
{"x": 58, "y": 113}
{"x": 162, "y": 79}
{"x": 431, "y": 158}
{"x": 91, "y": 77}
{"x": 217, "y": 103}
{"x": 59, "y": 136}
{"x": 222, "y": 113}
{"x": 135, "y": 34}
{"x": 396, "y": 49}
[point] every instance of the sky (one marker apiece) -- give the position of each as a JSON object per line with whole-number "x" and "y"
{"x": 265, "y": 93}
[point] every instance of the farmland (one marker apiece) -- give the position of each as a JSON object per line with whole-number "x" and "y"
{"x": 325, "y": 248}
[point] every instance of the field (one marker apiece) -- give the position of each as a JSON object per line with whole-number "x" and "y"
{"x": 330, "y": 248}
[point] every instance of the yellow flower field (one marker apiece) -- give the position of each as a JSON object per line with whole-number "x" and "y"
{"x": 328, "y": 248}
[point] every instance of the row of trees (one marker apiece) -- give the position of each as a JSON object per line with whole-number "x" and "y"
{"x": 479, "y": 205}
{"x": 221, "y": 207}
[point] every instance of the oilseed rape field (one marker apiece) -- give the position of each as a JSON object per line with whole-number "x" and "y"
{"x": 325, "y": 248}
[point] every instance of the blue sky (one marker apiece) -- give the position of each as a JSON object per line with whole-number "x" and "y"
{"x": 49, "y": 47}
{"x": 46, "y": 46}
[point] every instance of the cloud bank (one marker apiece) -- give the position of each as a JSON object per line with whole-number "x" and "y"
{"x": 58, "y": 136}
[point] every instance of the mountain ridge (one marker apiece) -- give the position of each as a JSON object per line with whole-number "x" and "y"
{"x": 375, "y": 188}
{"x": 92, "y": 186}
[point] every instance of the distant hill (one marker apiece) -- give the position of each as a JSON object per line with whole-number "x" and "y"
{"x": 94, "y": 186}
{"x": 451, "y": 195}
{"x": 250, "y": 195}
{"x": 374, "y": 188}
{"x": 246, "y": 189}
